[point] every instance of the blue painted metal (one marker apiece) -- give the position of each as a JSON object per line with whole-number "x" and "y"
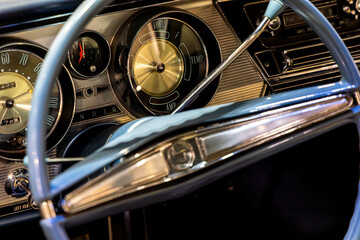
{"x": 154, "y": 127}
{"x": 53, "y": 228}
{"x": 274, "y": 8}
{"x": 49, "y": 72}
{"x": 161, "y": 125}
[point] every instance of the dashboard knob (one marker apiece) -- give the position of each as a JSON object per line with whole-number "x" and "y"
{"x": 17, "y": 183}
{"x": 275, "y": 24}
{"x": 352, "y": 8}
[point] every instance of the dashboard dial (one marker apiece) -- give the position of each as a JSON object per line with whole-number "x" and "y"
{"x": 160, "y": 73}
{"x": 89, "y": 55}
{"x": 19, "y": 68}
{"x": 166, "y": 57}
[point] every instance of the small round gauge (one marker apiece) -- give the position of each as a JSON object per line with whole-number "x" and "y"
{"x": 89, "y": 55}
{"x": 19, "y": 68}
{"x": 166, "y": 58}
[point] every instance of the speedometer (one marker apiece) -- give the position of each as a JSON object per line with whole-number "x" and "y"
{"x": 163, "y": 57}
{"x": 18, "y": 72}
{"x": 19, "y": 67}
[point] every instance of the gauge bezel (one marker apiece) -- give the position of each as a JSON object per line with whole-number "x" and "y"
{"x": 92, "y": 33}
{"x": 65, "y": 84}
{"x": 10, "y": 49}
{"x": 121, "y": 45}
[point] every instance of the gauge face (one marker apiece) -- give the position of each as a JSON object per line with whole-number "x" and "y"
{"x": 18, "y": 72}
{"x": 158, "y": 74}
{"x": 166, "y": 61}
{"x": 89, "y": 55}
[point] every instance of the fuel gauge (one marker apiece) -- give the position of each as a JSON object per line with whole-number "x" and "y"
{"x": 89, "y": 55}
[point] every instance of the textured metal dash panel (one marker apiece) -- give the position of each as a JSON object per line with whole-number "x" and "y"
{"x": 6, "y": 167}
{"x": 241, "y": 80}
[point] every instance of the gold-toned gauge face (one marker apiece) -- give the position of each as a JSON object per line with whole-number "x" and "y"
{"x": 18, "y": 72}
{"x": 15, "y": 102}
{"x": 159, "y": 57}
{"x": 158, "y": 67}
{"x": 166, "y": 61}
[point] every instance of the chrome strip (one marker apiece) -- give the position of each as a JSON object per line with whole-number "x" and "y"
{"x": 185, "y": 154}
{"x": 127, "y": 179}
{"x": 222, "y": 66}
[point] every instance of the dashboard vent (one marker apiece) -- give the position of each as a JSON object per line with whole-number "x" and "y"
{"x": 311, "y": 65}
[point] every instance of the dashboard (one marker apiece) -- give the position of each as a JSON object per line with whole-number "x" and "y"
{"x": 112, "y": 76}
{"x": 141, "y": 59}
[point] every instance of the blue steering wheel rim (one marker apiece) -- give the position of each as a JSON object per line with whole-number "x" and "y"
{"x": 349, "y": 83}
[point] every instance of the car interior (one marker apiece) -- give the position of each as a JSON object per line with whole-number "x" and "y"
{"x": 179, "y": 119}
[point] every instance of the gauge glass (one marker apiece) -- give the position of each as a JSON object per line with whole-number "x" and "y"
{"x": 166, "y": 61}
{"x": 89, "y": 55}
{"x": 18, "y": 73}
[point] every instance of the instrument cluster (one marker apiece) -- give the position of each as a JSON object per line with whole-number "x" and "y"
{"x": 124, "y": 65}
{"x": 155, "y": 63}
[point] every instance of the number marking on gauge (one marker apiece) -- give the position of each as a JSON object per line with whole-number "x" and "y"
{"x": 53, "y": 102}
{"x": 5, "y": 86}
{"x": 5, "y": 58}
{"x": 10, "y": 121}
{"x": 49, "y": 120}
{"x": 24, "y": 59}
{"x": 38, "y": 68}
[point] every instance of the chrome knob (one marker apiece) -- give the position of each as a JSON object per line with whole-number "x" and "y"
{"x": 17, "y": 183}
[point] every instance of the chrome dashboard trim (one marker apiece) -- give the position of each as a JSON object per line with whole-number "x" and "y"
{"x": 212, "y": 145}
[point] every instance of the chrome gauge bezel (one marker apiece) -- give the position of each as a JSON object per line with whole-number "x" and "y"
{"x": 66, "y": 89}
{"x": 105, "y": 47}
{"x": 124, "y": 86}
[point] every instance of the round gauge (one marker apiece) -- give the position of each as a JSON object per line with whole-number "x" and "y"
{"x": 160, "y": 73}
{"x": 19, "y": 68}
{"x": 166, "y": 58}
{"x": 89, "y": 55}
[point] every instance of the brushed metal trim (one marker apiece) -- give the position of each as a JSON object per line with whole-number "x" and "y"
{"x": 142, "y": 171}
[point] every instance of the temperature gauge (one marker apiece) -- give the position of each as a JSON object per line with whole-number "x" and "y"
{"x": 89, "y": 55}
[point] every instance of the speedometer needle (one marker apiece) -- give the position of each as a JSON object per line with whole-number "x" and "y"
{"x": 23, "y": 94}
{"x": 82, "y": 53}
{"x": 3, "y": 113}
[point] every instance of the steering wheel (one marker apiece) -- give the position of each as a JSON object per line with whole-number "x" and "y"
{"x": 143, "y": 131}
